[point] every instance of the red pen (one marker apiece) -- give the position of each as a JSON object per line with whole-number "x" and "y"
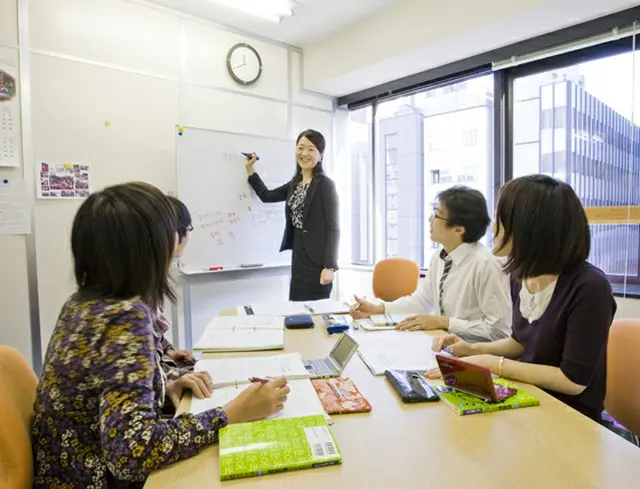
{"x": 262, "y": 380}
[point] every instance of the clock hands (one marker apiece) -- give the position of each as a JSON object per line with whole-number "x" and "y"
{"x": 244, "y": 62}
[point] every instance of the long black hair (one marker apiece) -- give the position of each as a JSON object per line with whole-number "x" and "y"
{"x": 317, "y": 139}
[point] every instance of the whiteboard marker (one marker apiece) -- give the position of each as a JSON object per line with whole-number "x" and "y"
{"x": 251, "y": 265}
{"x": 249, "y": 156}
{"x": 215, "y": 269}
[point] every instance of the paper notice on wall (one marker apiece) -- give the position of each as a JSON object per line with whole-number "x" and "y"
{"x": 63, "y": 180}
{"x": 15, "y": 211}
{"x": 9, "y": 112}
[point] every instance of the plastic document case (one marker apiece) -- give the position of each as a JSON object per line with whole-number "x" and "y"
{"x": 411, "y": 386}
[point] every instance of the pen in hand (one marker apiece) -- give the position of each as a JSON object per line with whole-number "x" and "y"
{"x": 262, "y": 380}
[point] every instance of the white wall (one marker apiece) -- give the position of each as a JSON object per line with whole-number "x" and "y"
{"x": 144, "y": 70}
{"x": 418, "y": 35}
{"x": 14, "y": 295}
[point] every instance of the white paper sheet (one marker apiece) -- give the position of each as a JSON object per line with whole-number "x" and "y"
{"x": 240, "y": 340}
{"x": 15, "y": 215}
{"x": 229, "y": 371}
{"x": 325, "y": 306}
{"x": 301, "y": 401}
{"x": 400, "y": 350}
{"x": 246, "y": 322}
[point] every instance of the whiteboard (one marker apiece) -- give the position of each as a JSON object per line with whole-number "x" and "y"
{"x": 231, "y": 227}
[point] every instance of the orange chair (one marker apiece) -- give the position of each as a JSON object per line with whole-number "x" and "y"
{"x": 394, "y": 278}
{"x": 622, "y": 401}
{"x": 18, "y": 385}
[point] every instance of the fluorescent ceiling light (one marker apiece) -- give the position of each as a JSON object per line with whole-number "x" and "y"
{"x": 272, "y": 10}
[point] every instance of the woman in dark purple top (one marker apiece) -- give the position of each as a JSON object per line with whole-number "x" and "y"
{"x": 562, "y": 305}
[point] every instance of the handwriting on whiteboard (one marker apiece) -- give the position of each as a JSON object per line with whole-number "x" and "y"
{"x": 223, "y": 226}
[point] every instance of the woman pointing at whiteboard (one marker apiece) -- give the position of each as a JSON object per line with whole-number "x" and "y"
{"x": 312, "y": 229}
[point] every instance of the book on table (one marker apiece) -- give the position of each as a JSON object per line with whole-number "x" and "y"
{"x": 231, "y": 377}
{"x": 238, "y": 370}
{"x": 465, "y": 404}
{"x": 242, "y": 333}
{"x": 276, "y": 445}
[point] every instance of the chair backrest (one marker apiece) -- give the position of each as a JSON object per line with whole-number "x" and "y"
{"x": 18, "y": 385}
{"x": 394, "y": 278}
{"x": 623, "y": 364}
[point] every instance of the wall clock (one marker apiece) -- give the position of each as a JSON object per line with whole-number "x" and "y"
{"x": 244, "y": 64}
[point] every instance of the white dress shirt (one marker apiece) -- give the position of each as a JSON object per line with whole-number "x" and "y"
{"x": 476, "y": 295}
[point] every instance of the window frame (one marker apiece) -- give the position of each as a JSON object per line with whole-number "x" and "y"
{"x": 503, "y": 103}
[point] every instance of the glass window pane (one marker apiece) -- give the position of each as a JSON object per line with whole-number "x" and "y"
{"x": 360, "y": 137}
{"x": 575, "y": 123}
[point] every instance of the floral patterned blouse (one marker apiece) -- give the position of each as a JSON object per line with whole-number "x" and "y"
{"x": 97, "y": 420}
{"x": 296, "y": 204}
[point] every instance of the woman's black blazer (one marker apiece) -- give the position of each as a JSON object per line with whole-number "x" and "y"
{"x": 321, "y": 227}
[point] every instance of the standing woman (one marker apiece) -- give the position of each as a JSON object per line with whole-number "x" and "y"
{"x": 312, "y": 230}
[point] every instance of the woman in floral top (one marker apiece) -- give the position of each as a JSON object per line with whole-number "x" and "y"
{"x": 97, "y": 420}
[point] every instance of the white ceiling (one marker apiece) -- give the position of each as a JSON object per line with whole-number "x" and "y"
{"x": 313, "y": 20}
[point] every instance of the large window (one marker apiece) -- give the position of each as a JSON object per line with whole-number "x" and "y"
{"x": 576, "y": 123}
{"x": 567, "y": 110}
{"x": 423, "y": 144}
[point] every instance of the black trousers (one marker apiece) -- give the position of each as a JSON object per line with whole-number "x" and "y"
{"x": 305, "y": 274}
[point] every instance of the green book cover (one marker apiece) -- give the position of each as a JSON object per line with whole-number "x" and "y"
{"x": 276, "y": 445}
{"x": 464, "y": 403}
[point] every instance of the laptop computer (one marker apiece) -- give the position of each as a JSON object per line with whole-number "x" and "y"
{"x": 334, "y": 364}
{"x": 471, "y": 379}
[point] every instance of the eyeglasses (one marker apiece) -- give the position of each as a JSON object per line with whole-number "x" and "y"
{"x": 189, "y": 228}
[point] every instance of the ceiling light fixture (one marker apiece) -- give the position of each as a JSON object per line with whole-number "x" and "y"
{"x": 273, "y": 10}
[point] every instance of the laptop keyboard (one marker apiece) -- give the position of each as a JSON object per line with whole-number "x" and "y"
{"x": 321, "y": 366}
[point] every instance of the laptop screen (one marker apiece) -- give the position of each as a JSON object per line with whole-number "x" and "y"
{"x": 343, "y": 350}
{"x": 466, "y": 377}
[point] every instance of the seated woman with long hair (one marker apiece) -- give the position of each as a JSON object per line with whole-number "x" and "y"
{"x": 98, "y": 420}
{"x": 562, "y": 305}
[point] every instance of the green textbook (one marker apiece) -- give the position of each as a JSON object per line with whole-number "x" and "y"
{"x": 276, "y": 445}
{"x": 463, "y": 403}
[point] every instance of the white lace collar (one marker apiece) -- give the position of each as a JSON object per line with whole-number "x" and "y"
{"x": 532, "y": 306}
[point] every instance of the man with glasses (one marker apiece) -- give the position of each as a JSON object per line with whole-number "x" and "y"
{"x": 465, "y": 291}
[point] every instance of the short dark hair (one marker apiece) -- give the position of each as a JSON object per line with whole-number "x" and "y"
{"x": 123, "y": 240}
{"x": 546, "y": 223}
{"x": 466, "y": 207}
{"x": 183, "y": 217}
{"x": 318, "y": 140}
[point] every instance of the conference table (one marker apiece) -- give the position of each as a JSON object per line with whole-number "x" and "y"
{"x": 427, "y": 445}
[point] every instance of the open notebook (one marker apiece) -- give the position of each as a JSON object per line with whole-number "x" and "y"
{"x": 237, "y": 371}
{"x": 242, "y": 333}
{"x": 301, "y": 401}
{"x": 231, "y": 377}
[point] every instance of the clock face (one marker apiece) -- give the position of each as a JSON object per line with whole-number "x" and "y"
{"x": 244, "y": 64}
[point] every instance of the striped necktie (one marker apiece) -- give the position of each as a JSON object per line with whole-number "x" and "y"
{"x": 445, "y": 272}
